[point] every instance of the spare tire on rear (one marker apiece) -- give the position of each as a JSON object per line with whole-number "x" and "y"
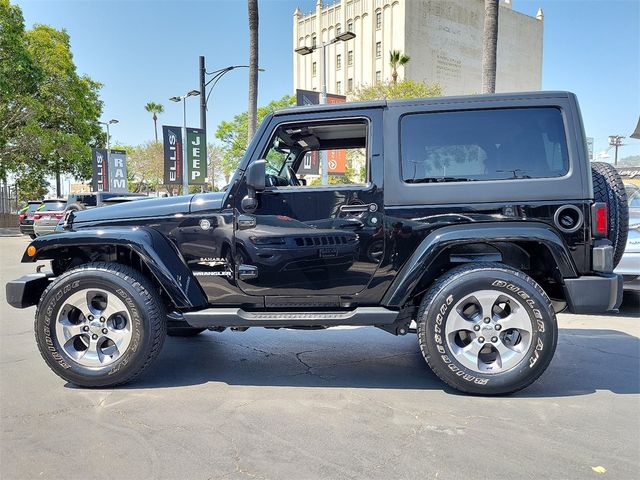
{"x": 608, "y": 188}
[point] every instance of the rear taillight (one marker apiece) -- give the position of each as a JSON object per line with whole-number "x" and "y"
{"x": 600, "y": 222}
{"x": 58, "y": 215}
{"x": 36, "y": 216}
{"x": 21, "y": 217}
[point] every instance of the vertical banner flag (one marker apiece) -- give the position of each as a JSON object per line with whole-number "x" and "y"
{"x": 100, "y": 180}
{"x": 118, "y": 171}
{"x": 172, "y": 138}
{"x": 197, "y": 155}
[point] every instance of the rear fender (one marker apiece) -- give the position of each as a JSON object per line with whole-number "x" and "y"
{"x": 438, "y": 241}
{"x": 157, "y": 252}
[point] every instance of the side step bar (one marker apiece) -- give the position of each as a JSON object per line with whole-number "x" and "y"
{"x": 237, "y": 317}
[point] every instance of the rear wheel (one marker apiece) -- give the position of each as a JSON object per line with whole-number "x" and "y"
{"x": 608, "y": 188}
{"x": 487, "y": 329}
{"x": 100, "y": 325}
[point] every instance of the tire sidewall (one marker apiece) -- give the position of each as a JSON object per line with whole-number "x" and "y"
{"x": 45, "y": 328}
{"x": 443, "y": 360}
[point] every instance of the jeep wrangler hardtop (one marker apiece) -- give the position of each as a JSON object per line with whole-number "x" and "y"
{"x": 470, "y": 221}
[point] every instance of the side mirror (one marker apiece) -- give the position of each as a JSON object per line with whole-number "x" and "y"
{"x": 256, "y": 174}
{"x": 255, "y": 178}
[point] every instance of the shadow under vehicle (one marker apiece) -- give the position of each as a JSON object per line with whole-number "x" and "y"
{"x": 469, "y": 221}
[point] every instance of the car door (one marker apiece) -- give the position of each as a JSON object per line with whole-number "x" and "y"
{"x": 319, "y": 237}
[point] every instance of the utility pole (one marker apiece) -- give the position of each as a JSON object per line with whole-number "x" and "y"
{"x": 616, "y": 142}
{"x": 203, "y": 100}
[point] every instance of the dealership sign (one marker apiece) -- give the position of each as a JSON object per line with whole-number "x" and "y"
{"x": 109, "y": 170}
{"x": 196, "y": 156}
{"x": 172, "y": 137}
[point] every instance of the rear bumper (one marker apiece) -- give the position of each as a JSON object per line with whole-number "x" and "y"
{"x": 25, "y": 291}
{"x": 594, "y": 294}
{"x": 26, "y": 228}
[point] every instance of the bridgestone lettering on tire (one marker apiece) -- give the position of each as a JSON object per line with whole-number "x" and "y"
{"x": 100, "y": 325}
{"x": 487, "y": 329}
{"x": 608, "y": 188}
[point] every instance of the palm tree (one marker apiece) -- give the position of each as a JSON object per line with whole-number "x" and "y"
{"x": 253, "y": 68}
{"x": 154, "y": 108}
{"x": 490, "y": 45}
{"x": 397, "y": 59}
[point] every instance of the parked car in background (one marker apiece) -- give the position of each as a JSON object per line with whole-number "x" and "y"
{"x": 629, "y": 266}
{"x": 99, "y": 199}
{"x": 26, "y": 217}
{"x": 47, "y": 216}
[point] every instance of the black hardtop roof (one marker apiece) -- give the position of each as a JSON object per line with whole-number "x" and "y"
{"x": 54, "y": 200}
{"x": 423, "y": 101}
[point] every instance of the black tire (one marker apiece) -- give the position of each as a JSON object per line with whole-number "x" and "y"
{"x": 184, "y": 331}
{"x": 146, "y": 322}
{"x": 608, "y": 188}
{"x": 461, "y": 283}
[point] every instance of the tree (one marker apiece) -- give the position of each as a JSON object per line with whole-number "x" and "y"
{"x": 490, "y": 45}
{"x": 397, "y": 59}
{"x": 233, "y": 135}
{"x": 391, "y": 91}
{"x": 154, "y": 108}
{"x": 253, "y": 67}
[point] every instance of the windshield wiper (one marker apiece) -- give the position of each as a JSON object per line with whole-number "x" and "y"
{"x": 439, "y": 179}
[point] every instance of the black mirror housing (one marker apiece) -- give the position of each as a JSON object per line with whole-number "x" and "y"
{"x": 255, "y": 175}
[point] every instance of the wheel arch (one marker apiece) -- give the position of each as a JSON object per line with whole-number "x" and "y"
{"x": 143, "y": 248}
{"x": 532, "y": 247}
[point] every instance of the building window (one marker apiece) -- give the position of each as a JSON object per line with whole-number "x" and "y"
{"x": 378, "y": 76}
{"x": 349, "y": 84}
{"x": 350, "y": 26}
{"x": 378, "y": 49}
{"x": 338, "y": 30}
{"x": 313, "y": 42}
{"x": 338, "y": 62}
{"x": 339, "y": 87}
{"x": 378, "y": 20}
{"x": 350, "y": 57}
{"x": 314, "y": 69}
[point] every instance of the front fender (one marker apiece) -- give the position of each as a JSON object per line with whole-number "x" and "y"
{"x": 445, "y": 237}
{"x": 157, "y": 252}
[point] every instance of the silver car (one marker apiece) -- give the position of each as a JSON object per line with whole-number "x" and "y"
{"x": 47, "y": 216}
{"x": 629, "y": 266}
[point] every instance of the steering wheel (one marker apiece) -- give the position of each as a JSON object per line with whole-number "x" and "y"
{"x": 293, "y": 180}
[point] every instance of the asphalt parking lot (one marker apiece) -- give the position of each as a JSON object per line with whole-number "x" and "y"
{"x": 342, "y": 403}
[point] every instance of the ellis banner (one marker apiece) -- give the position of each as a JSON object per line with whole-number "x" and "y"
{"x": 196, "y": 156}
{"x": 172, "y": 138}
{"x": 100, "y": 180}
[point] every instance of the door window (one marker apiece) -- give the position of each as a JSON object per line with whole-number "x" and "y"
{"x": 298, "y": 153}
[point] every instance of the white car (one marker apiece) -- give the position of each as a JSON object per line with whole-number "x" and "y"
{"x": 629, "y": 265}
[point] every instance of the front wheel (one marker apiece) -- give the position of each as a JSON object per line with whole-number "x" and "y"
{"x": 100, "y": 325}
{"x": 487, "y": 329}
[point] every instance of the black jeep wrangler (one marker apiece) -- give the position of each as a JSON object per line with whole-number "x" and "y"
{"x": 469, "y": 220}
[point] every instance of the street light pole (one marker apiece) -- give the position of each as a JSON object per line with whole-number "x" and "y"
{"x": 185, "y": 166}
{"x": 304, "y": 50}
{"x": 110, "y": 122}
{"x": 616, "y": 142}
{"x": 203, "y": 101}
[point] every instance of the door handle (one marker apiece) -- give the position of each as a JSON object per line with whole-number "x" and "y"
{"x": 371, "y": 207}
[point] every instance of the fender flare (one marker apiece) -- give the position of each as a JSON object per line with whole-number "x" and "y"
{"x": 158, "y": 253}
{"x": 436, "y": 242}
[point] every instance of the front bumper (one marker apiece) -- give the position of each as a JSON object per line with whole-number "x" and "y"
{"x": 594, "y": 293}
{"x": 25, "y": 291}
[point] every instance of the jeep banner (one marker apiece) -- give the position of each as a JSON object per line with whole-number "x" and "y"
{"x": 197, "y": 156}
{"x": 100, "y": 180}
{"x": 172, "y": 138}
{"x": 118, "y": 171}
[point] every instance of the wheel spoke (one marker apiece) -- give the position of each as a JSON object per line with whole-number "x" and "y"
{"x": 70, "y": 330}
{"x": 91, "y": 356}
{"x": 518, "y": 319}
{"x": 486, "y": 300}
{"x": 114, "y": 305}
{"x": 468, "y": 355}
{"x": 119, "y": 337}
{"x": 508, "y": 358}
{"x": 80, "y": 301}
{"x": 456, "y": 322}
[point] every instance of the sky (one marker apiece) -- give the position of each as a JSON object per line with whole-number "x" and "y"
{"x": 147, "y": 50}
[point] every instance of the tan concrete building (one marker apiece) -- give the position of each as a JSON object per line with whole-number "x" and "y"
{"x": 442, "y": 37}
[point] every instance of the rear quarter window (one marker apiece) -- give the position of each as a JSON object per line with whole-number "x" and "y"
{"x": 500, "y": 144}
